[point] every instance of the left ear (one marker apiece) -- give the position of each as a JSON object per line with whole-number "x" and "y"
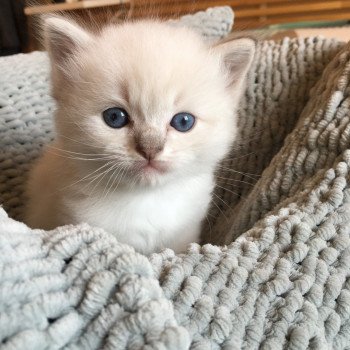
{"x": 63, "y": 38}
{"x": 237, "y": 56}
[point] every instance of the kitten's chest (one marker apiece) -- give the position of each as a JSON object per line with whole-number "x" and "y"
{"x": 150, "y": 217}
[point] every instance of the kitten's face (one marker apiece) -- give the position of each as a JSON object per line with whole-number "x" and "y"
{"x": 152, "y": 102}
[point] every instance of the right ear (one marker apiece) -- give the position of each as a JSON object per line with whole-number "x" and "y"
{"x": 237, "y": 56}
{"x": 63, "y": 38}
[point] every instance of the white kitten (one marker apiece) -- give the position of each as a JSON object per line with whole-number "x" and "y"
{"x": 145, "y": 111}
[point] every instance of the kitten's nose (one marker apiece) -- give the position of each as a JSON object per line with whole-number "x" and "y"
{"x": 148, "y": 152}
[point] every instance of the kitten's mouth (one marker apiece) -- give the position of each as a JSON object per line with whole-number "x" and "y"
{"x": 152, "y": 166}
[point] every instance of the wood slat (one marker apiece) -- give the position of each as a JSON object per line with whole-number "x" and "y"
{"x": 315, "y": 6}
{"x": 243, "y": 24}
{"x": 266, "y": 2}
{"x": 272, "y": 7}
{"x": 232, "y": 3}
{"x": 250, "y": 13}
{"x": 87, "y": 4}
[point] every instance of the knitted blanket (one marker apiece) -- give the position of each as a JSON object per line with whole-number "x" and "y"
{"x": 282, "y": 281}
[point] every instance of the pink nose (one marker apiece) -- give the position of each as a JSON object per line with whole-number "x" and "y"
{"x": 148, "y": 153}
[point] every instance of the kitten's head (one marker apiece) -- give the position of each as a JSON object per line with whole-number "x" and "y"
{"x": 151, "y": 101}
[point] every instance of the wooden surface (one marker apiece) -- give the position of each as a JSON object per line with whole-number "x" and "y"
{"x": 78, "y": 5}
{"x": 253, "y": 13}
{"x": 339, "y": 33}
{"x": 248, "y": 13}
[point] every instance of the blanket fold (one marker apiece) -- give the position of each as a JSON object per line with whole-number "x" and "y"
{"x": 79, "y": 288}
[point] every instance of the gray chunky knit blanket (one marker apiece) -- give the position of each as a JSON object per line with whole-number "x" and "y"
{"x": 279, "y": 276}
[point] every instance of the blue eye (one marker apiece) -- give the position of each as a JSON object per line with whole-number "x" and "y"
{"x": 182, "y": 121}
{"x": 115, "y": 117}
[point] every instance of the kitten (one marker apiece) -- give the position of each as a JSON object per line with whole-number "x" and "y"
{"x": 145, "y": 111}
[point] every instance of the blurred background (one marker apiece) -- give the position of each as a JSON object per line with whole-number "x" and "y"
{"x": 274, "y": 18}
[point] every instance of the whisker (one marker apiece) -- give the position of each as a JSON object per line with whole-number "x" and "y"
{"x": 79, "y": 158}
{"x": 210, "y": 227}
{"x": 100, "y": 177}
{"x": 217, "y": 206}
{"x": 121, "y": 176}
{"x": 79, "y": 153}
{"x": 248, "y": 175}
{"x": 236, "y": 180}
{"x": 221, "y": 199}
{"x": 226, "y": 189}
{"x": 241, "y": 156}
{"x": 105, "y": 190}
{"x": 80, "y": 142}
{"x": 117, "y": 169}
{"x": 88, "y": 175}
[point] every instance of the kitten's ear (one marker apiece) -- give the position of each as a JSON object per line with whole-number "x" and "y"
{"x": 237, "y": 56}
{"x": 63, "y": 37}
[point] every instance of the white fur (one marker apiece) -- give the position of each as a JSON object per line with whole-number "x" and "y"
{"x": 153, "y": 71}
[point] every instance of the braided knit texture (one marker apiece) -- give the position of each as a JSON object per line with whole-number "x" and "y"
{"x": 284, "y": 283}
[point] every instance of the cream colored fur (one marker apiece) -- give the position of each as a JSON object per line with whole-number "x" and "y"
{"x": 91, "y": 172}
